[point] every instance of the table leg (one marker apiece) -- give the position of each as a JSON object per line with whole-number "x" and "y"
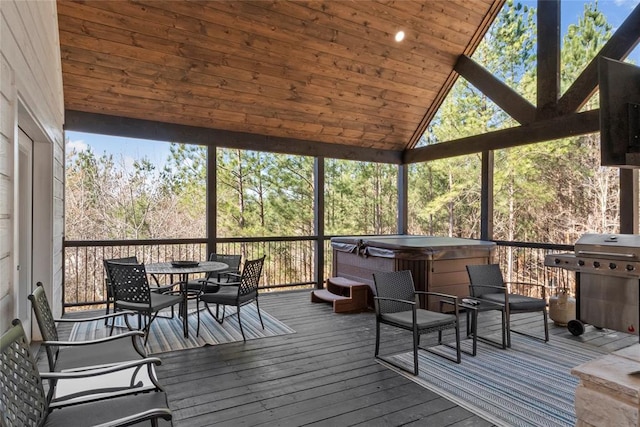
{"x": 184, "y": 308}
{"x": 474, "y": 331}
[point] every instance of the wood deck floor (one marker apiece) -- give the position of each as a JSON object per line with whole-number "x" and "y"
{"x": 324, "y": 374}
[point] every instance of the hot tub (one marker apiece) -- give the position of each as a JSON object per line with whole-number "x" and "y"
{"x": 438, "y": 264}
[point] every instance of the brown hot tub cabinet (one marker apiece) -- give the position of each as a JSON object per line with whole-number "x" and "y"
{"x": 438, "y": 264}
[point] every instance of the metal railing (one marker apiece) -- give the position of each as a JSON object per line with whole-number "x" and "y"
{"x": 289, "y": 262}
{"x": 524, "y": 262}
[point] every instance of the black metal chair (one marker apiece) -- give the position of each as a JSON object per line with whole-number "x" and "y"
{"x": 396, "y": 304}
{"x": 132, "y": 292}
{"x": 171, "y": 288}
{"x": 212, "y": 282}
{"x": 486, "y": 283}
{"x": 243, "y": 290}
{"x": 77, "y": 355}
{"x": 24, "y": 403}
{"x": 110, "y": 302}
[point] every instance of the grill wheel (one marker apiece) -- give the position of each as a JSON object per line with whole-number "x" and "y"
{"x": 576, "y": 327}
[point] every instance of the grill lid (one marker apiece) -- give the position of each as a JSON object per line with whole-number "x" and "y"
{"x": 609, "y": 246}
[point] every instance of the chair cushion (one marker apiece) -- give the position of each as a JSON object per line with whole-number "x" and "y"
{"x": 158, "y": 302}
{"x": 226, "y": 295}
{"x": 98, "y": 354}
{"x": 426, "y": 319}
{"x": 91, "y": 414}
{"x": 209, "y": 288}
{"x": 518, "y": 302}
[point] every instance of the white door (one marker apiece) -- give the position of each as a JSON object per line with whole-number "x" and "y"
{"x": 24, "y": 217}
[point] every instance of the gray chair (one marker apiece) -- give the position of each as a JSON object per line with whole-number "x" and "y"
{"x": 486, "y": 283}
{"x": 132, "y": 292}
{"x": 243, "y": 290}
{"x": 24, "y": 403}
{"x": 76, "y": 355}
{"x": 212, "y": 282}
{"x": 397, "y": 305}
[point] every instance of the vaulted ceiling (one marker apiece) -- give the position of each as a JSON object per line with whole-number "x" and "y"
{"x": 327, "y": 72}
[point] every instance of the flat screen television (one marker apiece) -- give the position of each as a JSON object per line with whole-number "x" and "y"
{"x": 619, "y": 113}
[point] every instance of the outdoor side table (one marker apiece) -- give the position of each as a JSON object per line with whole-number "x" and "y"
{"x": 472, "y": 311}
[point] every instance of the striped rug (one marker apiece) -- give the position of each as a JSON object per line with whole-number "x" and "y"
{"x": 166, "y": 334}
{"x": 527, "y": 385}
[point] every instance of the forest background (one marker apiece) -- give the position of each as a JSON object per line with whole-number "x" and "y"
{"x": 547, "y": 192}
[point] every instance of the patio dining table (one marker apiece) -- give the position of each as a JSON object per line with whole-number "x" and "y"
{"x": 183, "y": 270}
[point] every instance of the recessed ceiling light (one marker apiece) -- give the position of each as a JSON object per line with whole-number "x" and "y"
{"x": 399, "y": 36}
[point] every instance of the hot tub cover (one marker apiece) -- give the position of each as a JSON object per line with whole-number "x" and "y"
{"x": 412, "y": 246}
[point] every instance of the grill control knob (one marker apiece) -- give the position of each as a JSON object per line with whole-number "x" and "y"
{"x": 580, "y": 262}
{"x": 612, "y": 266}
{"x": 630, "y": 267}
{"x": 557, "y": 261}
{"x": 596, "y": 264}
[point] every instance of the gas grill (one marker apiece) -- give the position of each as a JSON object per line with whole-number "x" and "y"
{"x": 607, "y": 270}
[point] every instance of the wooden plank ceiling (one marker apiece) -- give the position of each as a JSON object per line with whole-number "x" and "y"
{"x": 323, "y": 71}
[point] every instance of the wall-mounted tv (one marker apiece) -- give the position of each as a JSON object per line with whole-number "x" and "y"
{"x": 619, "y": 113}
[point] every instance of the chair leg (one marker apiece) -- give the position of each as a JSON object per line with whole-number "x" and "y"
{"x": 106, "y": 321}
{"x": 216, "y": 316}
{"x": 458, "y": 355}
{"x": 198, "y": 311}
{"x": 240, "y": 323}
{"x": 259, "y": 315}
{"x": 546, "y": 325}
{"x": 377, "y": 338}
{"x": 537, "y": 337}
{"x": 416, "y": 338}
{"x": 113, "y": 322}
{"x": 508, "y": 328}
{"x": 198, "y": 316}
{"x": 147, "y": 325}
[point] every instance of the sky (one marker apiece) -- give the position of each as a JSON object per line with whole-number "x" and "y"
{"x": 614, "y": 10}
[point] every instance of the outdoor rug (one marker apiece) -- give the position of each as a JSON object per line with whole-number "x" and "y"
{"x": 166, "y": 334}
{"x": 529, "y": 384}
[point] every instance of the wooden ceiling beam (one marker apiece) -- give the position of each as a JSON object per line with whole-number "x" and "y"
{"x": 146, "y": 129}
{"x": 540, "y": 131}
{"x": 623, "y": 41}
{"x": 548, "y": 81}
{"x": 505, "y": 97}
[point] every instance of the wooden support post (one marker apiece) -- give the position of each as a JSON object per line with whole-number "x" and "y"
{"x": 548, "y": 58}
{"x": 403, "y": 197}
{"x": 318, "y": 203}
{"x": 629, "y": 201}
{"x": 212, "y": 200}
{"x": 486, "y": 196}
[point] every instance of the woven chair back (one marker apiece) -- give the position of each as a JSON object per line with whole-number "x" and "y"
{"x": 484, "y": 274}
{"x": 46, "y": 322}
{"x": 233, "y": 261}
{"x": 125, "y": 260}
{"x": 395, "y": 284}
{"x": 129, "y": 282}
{"x": 22, "y": 397}
{"x": 250, "y": 278}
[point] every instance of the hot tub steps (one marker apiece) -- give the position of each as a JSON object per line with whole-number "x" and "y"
{"x": 345, "y": 295}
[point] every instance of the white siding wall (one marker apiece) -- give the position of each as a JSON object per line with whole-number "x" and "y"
{"x": 31, "y": 96}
